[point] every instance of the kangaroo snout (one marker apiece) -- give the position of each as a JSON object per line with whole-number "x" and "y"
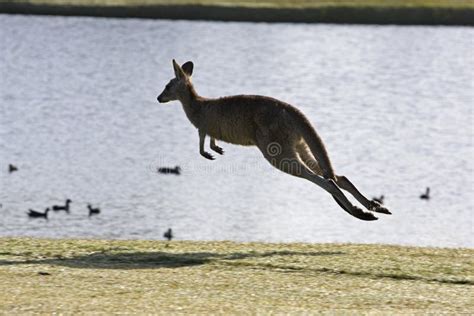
{"x": 163, "y": 98}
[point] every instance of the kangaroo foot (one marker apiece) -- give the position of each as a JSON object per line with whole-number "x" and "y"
{"x": 218, "y": 150}
{"x": 360, "y": 214}
{"x": 375, "y": 206}
{"x": 207, "y": 155}
{"x": 357, "y": 212}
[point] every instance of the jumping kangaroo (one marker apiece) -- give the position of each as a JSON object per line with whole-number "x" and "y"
{"x": 283, "y": 134}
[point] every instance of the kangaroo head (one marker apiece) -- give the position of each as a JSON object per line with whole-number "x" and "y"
{"x": 177, "y": 86}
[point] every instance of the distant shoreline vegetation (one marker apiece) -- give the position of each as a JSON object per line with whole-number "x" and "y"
{"x": 397, "y": 12}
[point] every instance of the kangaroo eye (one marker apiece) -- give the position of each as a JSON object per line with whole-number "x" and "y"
{"x": 168, "y": 86}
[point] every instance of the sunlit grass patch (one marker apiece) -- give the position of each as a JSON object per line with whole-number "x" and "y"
{"x": 68, "y": 276}
{"x": 269, "y": 3}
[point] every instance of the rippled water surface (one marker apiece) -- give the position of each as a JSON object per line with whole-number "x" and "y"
{"x": 79, "y": 117}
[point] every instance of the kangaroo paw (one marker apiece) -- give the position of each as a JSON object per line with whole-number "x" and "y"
{"x": 218, "y": 150}
{"x": 207, "y": 155}
{"x": 375, "y": 206}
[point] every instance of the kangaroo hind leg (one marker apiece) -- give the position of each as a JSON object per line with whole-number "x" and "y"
{"x": 372, "y": 205}
{"x": 308, "y": 159}
{"x": 283, "y": 156}
{"x": 341, "y": 181}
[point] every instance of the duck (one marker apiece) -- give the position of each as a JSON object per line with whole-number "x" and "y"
{"x": 93, "y": 211}
{"x": 379, "y": 199}
{"x": 426, "y": 195}
{"x": 35, "y": 214}
{"x": 168, "y": 234}
{"x": 176, "y": 170}
{"x": 62, "y": 207}
{"x": 12, "y": 168}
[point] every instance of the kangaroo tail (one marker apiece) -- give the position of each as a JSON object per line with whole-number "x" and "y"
{"x": 315, "y": 144}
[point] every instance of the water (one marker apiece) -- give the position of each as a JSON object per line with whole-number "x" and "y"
{"x": 79, "y": 118}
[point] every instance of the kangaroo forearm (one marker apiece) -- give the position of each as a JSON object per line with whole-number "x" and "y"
{"x": 202, "y": 138}
{"x": 216, "y": 148}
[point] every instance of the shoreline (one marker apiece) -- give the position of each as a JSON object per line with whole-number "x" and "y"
{"x": 325, "y": 14}
{"x": 27, "y": 238}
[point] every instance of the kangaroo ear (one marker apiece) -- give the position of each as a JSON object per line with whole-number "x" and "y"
{"x": 188, "y": 68}
{"x": 178, "y": 72}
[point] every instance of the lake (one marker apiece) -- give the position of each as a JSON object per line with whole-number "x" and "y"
{"x": 79, "y": 118}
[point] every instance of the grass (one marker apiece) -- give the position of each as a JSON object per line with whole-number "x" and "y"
{"x": 92, "y": 276}
{"x": 269, "y": 3}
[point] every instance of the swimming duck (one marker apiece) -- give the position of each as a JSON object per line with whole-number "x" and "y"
{"x": 12, "y": 168}
{"x": 93, "y": 211}
{"x": 379, "y": 199}
{"x": 168, "y": 234}
{"x": 62, "y": 207}
{"x": 426, "y": 195}
{"x": 35, "y": 214}
{"x": 176, "y": 170}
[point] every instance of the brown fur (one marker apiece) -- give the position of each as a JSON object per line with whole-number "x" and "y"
{"x": 253, "y": 120}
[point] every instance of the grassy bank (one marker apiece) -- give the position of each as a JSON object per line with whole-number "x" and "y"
{"x": 429, "y": 12}
{"x": 267, "y": 3}
{"x": 69, "y": 276}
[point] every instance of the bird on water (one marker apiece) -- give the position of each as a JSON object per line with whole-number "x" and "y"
{"x": 92, "y": 210}
{"x": 64, "y": 207}
{"x": 35, "y": 214}
{"x": 426, "y": 195}
{"x": 379, "y": 199}
{"x": 165, "y": 170}
{"x": 12, "y": 168}
{"x": 168, "y": 234}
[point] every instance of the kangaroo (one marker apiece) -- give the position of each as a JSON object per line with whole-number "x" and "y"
{"x": 280, "y": 131}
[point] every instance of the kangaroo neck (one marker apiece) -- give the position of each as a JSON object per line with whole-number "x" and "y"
{"x": 191, "y": 104}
